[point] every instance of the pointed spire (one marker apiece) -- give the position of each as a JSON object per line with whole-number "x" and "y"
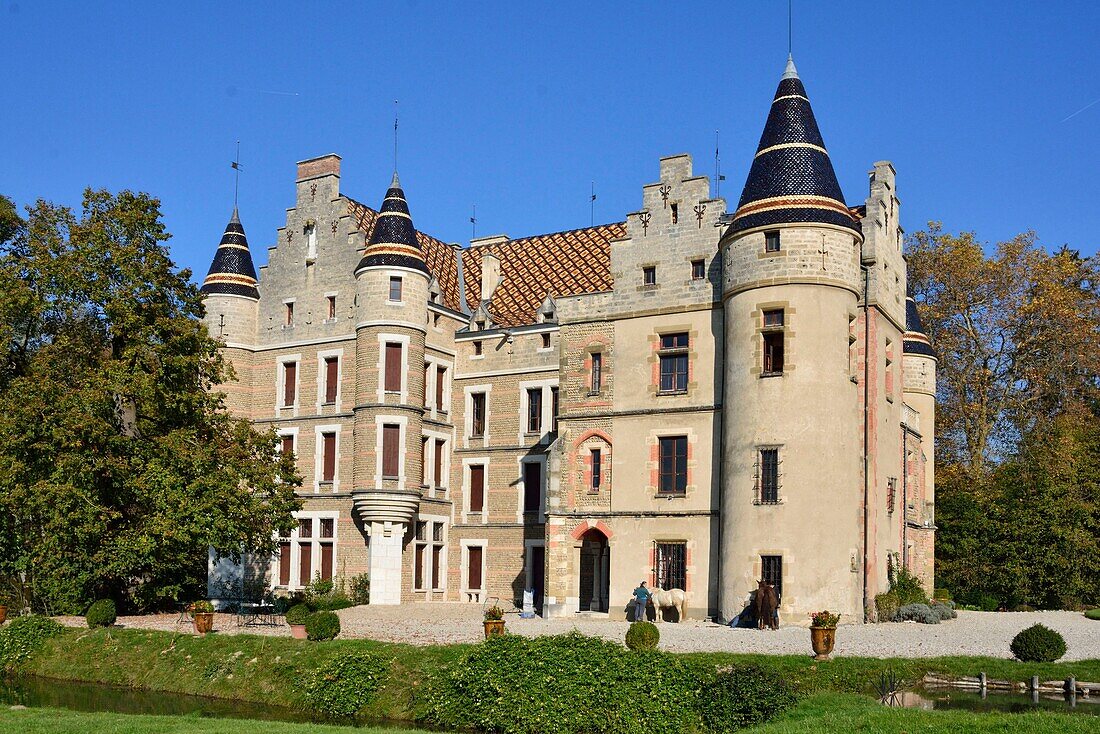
{"x": 792, "y": 179}
{"x": 393, "y": 240}
{"x": 232, "y": 273}
{"x": 915, "y": 340}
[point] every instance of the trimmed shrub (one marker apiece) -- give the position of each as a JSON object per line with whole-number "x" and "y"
{"x": 917, "y": 613}
{"x": 1093, "y": 614}
{"x": 908, "y": 588}
{"x": 297, "y": 614}
{"x": 360, "y": 589}
{"x": 886, "y": 606}
{"x": 101, "y": 614}
{"x": 941, "y": 594}
{"x": 345, "y": 684}
{"x": 566, "y": 684}
{"x": 943, "y": 611}
{"x": 23, "y": 637}
{"x": 1038, "y": 644}
{"x": 322, "y": 626}
{"x": 745, "y": 695}
{"x": 643, "y": 636}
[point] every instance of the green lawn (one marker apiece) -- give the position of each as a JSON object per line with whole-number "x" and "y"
{"x": 57, "y": 721}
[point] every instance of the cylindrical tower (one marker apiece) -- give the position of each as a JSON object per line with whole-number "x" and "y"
{"x": 792, "y": 478}
{"x": 232, "y": 309}
{"x": 919, "y": 371}
{"x": 391, "y": 296}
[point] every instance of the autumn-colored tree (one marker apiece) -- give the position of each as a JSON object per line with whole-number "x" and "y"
{"x": 119, "y": 465}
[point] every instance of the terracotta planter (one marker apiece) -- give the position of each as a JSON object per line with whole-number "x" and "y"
{"x": 298, "y": 631}
{"x": 3, "y": 613}
{"x": 204, "y": 622}
{"x": 823, "y": 639}
{"x": 494, "y": 627}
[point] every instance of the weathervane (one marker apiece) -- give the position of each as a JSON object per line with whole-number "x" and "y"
{"x": 236, "y": 166}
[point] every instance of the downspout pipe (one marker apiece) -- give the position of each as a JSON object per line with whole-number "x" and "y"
{"x": 866, "y": 433}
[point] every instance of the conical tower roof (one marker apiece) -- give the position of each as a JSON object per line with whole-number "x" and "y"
{"x": 915, "y": 341}
{"x": 232, "y": 272}
{"x": 792, "y": 179}
{"x": 393, "y": 239}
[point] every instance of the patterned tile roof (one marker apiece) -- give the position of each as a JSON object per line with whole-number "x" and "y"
{"x": 561, "y": 264}
{"x": 231, "y": 271}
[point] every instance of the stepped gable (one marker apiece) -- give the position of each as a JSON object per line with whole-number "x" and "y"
{"x": 915, "y": 341}
{"x": 559, "y": 264}
{"x": 791, "y": 180}
{"x": 393, "y": 240}
{"x": 232, "y": 272}
{"x": 440, "y": 257}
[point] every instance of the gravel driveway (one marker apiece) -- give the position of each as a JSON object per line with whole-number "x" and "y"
{"x": 973, "y": 633}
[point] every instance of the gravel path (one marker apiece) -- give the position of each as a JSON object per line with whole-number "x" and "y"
{"x": 973, "y": 633}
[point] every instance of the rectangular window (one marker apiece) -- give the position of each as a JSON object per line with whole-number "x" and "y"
{"x": 771, "y": 241}
{"x": 597, "y": 469}
{"x": 597, "y": 372}
{"x": 332, "y": 379}
{"x": 477, "y": 488}
{"x": 284, "y": 563}
{"x": 440, "y": 381}
{"x": 555, "y": 404}
{"x": 290, "y": 383}
{"x": 287, "y": 445}
{"x": 698, "y": 269}
{"x": 391, "y": 438}
{"x": 328, "y": 457}
{"x": 474, "y": 555}
{"x": 331, "y": 306}
{"x": 649, "y": 275}
{"x": 672, "y": 465}
{"x": 534, "y": 410}
{"x": 395, "y": 288}
{"x": 477, "y": 348}
{"x": 437, "y": 464}
{"x": 769, "y": 476}
{"x": 326, "y": 561}
{"x": 671, "y": 561}
{"x": 328, "y": 527}
{"x": 477, "y": 414}
{"x": 772, "y": 572}
{"x": 674, "y": 363}
{"x": 305, "y": 564}
{"x": 773, "y": 318}
{"x": 305, "y": 528}
{"x": 393, "y": 367}
{"x": 437, "y": 566}
{"x": 290, "y": 314}
{"x": 418, "y": 566}
{"x": 532, "y": 487}
{"x": 773, "y": 353}
{"x": 545, "y": 341}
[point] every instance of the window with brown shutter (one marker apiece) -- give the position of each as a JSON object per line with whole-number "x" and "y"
{"x": 418, "y": 566}
{"x": 437, "y": 563}
{"x": 391, "y": 438}
{"x": 326, "y": 561}
{"x": 393, "y": 367}
{"x": 332, "y": 379}
{"x": 473, "y": 572}
{"x": 532, "y": 487}
{"x": 305, "y": 559}
{"x": 328, "y": 457}
{"x": 534, "y": 410}
{"x": 438, "y": 464}
{"x": 290, "y": 382}
{"x": 440, "y": 379}
{"x": 287, "y": 444}
{"x": 477, "y": 488}
{"x": 284, "y": 564}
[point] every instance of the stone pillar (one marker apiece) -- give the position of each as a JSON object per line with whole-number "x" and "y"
{"x": 385, "y": 562}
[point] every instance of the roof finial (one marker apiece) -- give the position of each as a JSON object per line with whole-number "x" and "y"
{"x": 790, "y": 72}
{"x": 395, "y": 115}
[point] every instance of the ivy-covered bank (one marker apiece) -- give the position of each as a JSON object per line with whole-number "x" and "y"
{"x": 428, "y": 684}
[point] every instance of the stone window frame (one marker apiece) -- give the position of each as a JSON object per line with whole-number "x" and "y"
{"x": 467, "y": 513}
{"x": 431, "y": 378}
{"x": 468, "y": 392}
{"x": 468, "y": 594}
{"x": 671, "y": 540}
{"x": 521, "y": 486}
{"x": 686, "y": 351}
{"x": 702, "y": 276}
{"x": 280, "y": 383}
{"x": 392, "y": 279}
{"x": 402, "y": 449}
{"x": 654, "y": 486}
{"x": 758, "y": 473}
{"x": 790, "y": 314}
{"x": 331, "y": 306}
{"x": 778, "y": 242}
{"x": 594, "y": 355}
{"x": 546, "y": 423}
{"x": 288, "y": 312}
{"x": 315, "y": 542}
{"x": 648, "y": 270}
{"x": 322, "y": 378}
{"x": 318, "y": 456}
{"x": 435, "y": 489}
{"x": 404, "y": 340}
{"x": 429, "y": 543}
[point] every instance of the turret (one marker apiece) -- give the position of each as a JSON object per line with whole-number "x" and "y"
{"x": 791, "y": 284}
{"x": 232, "y": 300}
{"x": 392, "y": 292}
{"x": 919, "y": 370}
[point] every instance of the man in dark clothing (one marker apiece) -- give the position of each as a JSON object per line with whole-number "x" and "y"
{"x": 641, "y": 600}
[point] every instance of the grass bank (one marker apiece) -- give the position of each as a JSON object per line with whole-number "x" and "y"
{"x": 58, "y": 721}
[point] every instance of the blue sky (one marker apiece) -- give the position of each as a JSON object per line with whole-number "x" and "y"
{"x": 518, "y": 107}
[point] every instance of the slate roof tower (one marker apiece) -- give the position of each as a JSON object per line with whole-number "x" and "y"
{"x": 916, "y": 340}
{"x": 792, "y": 178}
{"x": 393, "y": 240}
{"x": 232, "y": 272}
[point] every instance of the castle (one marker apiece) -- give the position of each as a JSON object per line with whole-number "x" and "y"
{"x": 690, "y": 397}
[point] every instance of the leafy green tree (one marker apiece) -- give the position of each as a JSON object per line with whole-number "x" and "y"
{"x": 119, "y": 465}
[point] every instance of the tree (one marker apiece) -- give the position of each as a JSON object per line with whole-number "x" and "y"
{"x": 119, "y": 465}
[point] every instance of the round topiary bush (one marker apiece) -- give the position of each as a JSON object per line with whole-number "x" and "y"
{"x": 346, "y": 683}
{"x": 298, "y": 614}
{"x": 101, "y": 614}
{"x": 943, "y": 611}
{"x": 322, "y": 626}
{"x": 1038, "y": 644}
{"x": 743, "y": 696}
{"x": 643, "y": 636}
{"x": 1092, "y": 614}
{"x": 917, "y": 613}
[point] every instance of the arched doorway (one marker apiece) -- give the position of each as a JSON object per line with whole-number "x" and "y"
{"x": 595, "y": 570}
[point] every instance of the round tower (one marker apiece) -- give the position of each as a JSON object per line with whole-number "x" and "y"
{"x": 391, "y": 305}
{"x": 919, "y": 370}
{"x": 232, "y": 303}
{"x": 792, "y": 483}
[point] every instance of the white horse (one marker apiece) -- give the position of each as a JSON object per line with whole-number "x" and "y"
{"x": 663, "y": 598}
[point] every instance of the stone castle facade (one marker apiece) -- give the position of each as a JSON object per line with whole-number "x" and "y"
{"x": 695, "y": 398}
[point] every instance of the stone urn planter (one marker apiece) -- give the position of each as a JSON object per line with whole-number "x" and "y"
{"x": 203, "y": 613}
{"x": 823, "y": 633}
{"x": 494, "y": 622}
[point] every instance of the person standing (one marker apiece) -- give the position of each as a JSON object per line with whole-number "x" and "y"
{"x": 641, "y": 600}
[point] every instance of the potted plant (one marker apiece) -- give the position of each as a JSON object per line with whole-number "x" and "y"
{"x": 494, "y": 622}
{"x": 823, "y": 633}
{"x": 203, "y": 612}
{"x": 296, "y": 617}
